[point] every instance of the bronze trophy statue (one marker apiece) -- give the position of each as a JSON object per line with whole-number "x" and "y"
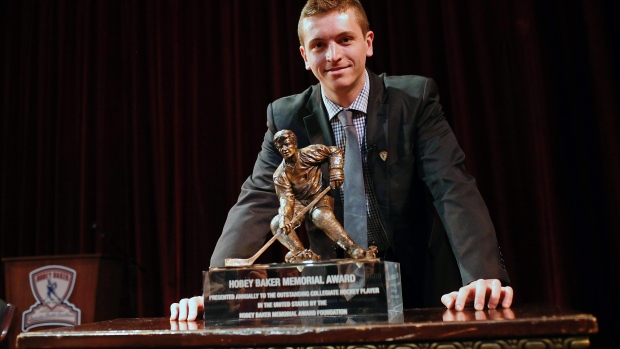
{"x": 298, "y": 184}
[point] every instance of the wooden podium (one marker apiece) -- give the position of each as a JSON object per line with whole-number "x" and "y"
{"x": 530, "y": 327}
{"x": 81, "y": 288}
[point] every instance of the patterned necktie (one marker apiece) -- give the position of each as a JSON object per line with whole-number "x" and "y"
{"x": 355, "y": 223}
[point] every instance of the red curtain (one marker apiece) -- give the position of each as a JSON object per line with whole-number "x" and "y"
{"x": 127, "y": 127}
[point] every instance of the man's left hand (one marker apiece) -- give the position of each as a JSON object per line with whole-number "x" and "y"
{"x": 479, "y": 292}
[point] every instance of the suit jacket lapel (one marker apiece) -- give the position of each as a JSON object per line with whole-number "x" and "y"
{"x": 317, "y": 125}
{"x": 377, "y": 117}
{"x": 379, "y": 129}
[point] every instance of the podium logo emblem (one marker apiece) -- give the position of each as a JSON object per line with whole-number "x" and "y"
{"x": 51, "y": 286}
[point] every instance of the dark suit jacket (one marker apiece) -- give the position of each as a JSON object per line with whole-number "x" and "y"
{"x": 424, "y": 164}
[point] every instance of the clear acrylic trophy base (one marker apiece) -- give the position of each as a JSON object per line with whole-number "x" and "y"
{"x": 337, "y": 291}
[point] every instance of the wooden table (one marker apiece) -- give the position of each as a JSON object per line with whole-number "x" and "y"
{"x": 520, "y": 327}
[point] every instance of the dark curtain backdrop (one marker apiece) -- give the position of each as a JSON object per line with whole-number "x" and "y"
{"x": 127, "y": 127}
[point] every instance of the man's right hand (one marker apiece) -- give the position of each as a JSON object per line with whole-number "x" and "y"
{"x": 187, "y": 309}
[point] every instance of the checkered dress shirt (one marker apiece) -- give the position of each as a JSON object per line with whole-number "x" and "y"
{"x": 376, "y": 232}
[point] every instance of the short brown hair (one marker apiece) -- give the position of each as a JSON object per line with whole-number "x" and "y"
{"x": 321, "y": 7}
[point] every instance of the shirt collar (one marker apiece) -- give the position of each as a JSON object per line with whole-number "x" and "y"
{"x": 360, "y": 103}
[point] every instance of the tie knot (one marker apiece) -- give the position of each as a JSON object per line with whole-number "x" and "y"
{"x": 345, "y": 117}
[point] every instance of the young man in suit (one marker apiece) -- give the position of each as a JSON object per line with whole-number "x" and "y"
{"x": 408, "y": 151}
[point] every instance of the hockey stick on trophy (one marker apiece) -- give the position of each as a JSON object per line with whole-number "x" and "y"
{"x": 240, "y": 262}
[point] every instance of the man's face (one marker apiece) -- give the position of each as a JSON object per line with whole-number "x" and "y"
{"x": 335, "y": 49}
{"x": 287, "y": 147}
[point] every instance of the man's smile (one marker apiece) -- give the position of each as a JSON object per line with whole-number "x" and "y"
{"x": 336, "y": 69}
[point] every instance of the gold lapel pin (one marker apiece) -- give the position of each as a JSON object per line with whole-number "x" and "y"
{"x": 383, "y": 155}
